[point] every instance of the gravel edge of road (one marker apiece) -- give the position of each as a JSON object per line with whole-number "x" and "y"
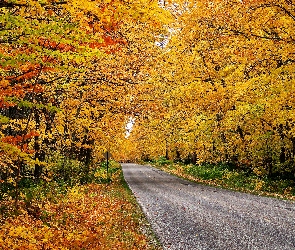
{"x": 146, "y": 227}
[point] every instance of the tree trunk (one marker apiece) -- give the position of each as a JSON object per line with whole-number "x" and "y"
{"x": 37, "y": 148}
{"x": 194, "y": 158}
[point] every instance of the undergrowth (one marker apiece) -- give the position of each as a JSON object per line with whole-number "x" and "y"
{"x": 224, "y": 175}
{"x": 99, "y": 214}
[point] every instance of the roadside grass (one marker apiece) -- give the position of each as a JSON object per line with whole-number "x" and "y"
{"x": 99, "y": 215}
{"x": 224, "y": 176}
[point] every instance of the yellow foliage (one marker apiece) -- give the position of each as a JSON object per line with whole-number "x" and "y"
{"x": 259, "y": 184}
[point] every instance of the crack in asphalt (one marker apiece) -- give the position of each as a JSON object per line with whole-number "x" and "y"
{"x": 187, "y": 215}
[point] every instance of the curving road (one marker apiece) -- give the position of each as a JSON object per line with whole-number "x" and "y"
{"x": 186, "y": 215}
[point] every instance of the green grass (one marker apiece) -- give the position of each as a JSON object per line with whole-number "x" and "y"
{"x": 225, "y": 176}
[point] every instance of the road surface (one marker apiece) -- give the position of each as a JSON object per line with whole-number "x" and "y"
{"x": 186, "y": 215}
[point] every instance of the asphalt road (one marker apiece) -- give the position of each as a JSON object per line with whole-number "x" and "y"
{"x": 186, "y": 215}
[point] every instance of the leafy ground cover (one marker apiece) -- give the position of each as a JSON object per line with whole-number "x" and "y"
{"x": 225, "y": 176}
{"x": 99, "y": 215}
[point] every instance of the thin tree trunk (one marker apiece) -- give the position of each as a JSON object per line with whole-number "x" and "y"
{"x": 37, "y": 148}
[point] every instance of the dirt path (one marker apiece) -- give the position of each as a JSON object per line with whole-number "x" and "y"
{"x": 186, "y": 215}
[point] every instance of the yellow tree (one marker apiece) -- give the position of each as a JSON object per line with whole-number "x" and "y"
{"x": 227, "y": 71}
{"x": 68, "y": 73}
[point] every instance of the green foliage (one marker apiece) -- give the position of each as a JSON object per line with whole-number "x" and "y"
{"x": 60, "y": 175}
{"x": 66, "y": 170}
{"x": 161, "y": 161}
{"x": 224, "y": 175}
{"x": 206, "y": 171}
{"x": 103, "y": 174}
{"x": 72, "y": 172}
{"x": 4, "y": 119}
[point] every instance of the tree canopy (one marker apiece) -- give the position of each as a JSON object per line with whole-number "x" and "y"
{"x": 205, "y": 81}
{"x": 224, "y": 86}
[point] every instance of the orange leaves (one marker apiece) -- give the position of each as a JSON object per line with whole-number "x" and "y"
{"x": 4, "y": 104}
{"x": 50, "y": 12}
{"x": 110, "y": 25}
{"x": 13, "y": 140}
{"x": 31, "y": 135}
{"x": 28, "y": 67}
{"x": 27, "y": 71}
{"x": 90, "y": 217}
{"x": 21, "y": 141}
{"x": 20, "y": 90}
{"x": 4, "y": 83}
{"x": 46, "y": 43}
{"x": 108, "y": 41}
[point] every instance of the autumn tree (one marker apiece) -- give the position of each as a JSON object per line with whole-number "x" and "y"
{"x": 226, "y": 78}
{"x": 68, "y": 71}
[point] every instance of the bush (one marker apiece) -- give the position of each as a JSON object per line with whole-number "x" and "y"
{"x": 102, "y": 175}
{"x": 161, "y": 161}
{"x": 206, "y": 171}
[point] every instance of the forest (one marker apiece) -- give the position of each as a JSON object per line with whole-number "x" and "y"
{"x": 205, "y": 82}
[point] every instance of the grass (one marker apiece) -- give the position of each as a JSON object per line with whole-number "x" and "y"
{"x": 97, "y": 215}
{"x": 224, "y": 176}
